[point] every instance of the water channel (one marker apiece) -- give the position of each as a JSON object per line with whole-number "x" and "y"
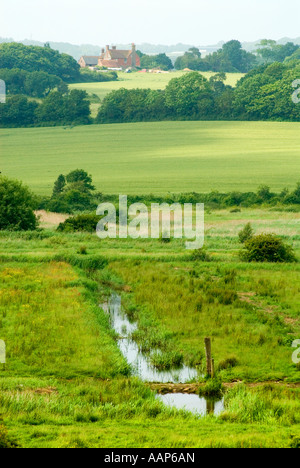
{"x": 146, "y": 372}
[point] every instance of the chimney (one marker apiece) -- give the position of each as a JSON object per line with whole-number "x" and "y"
{"x": 103, "y": 51}
{"x": 133, "y": 61}
{"x": 114, "y": 47}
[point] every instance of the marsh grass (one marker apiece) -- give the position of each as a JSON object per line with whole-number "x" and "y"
{"x": 266, "y": 404}
{"x": 250, "y": 313}
{"x": 66, "y": 383}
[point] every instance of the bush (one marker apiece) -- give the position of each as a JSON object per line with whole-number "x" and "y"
{"x": 80, "y": 223}
{"x": 267, "y": 248}
{"x": 17, "y": 206}
{"x": 200, "y": 255}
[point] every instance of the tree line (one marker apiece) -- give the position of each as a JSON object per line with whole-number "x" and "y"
{"x": 17, "y": 57}
{"x": 265, "y": 93}
{"x": 37, "y": 97}
{"x": 232, "y": 58}
{"x": 58, "y": 108}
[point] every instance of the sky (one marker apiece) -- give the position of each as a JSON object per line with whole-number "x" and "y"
{"x": 197, "y": 22}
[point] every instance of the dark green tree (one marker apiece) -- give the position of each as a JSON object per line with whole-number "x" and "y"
{"x": 18, "y": 112}
{"x": 34, "y": 58}
{"x": 59, "y": 185}
{"x": 157, "y": 61}
{"x": 17, "y": 206}
{"x": 190, "y": 96}
{"x": 79, "y": 176}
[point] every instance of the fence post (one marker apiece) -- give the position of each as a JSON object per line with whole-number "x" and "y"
{"x": 209, "y": 363}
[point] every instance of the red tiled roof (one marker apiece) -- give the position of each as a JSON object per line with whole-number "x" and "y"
{"x": 110, "y": 64}
{"x": 119, "y": 54}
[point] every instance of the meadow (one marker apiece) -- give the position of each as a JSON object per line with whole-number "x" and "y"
{"x": 159, "y": 157}
{"x": 66, "y": 383}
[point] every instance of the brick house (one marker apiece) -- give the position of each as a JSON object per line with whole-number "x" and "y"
{"x": 113, "y": 59}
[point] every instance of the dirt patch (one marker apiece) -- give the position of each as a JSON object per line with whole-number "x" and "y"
{"x": 45, "y": 391}
{"x": 248, "y": 298}
{"x": 48, "y": 219}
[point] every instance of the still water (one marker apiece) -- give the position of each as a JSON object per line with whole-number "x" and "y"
{"x": 145, "y": 371}
{"x": 193, "y": 403}
{"x": 140, "y": 363}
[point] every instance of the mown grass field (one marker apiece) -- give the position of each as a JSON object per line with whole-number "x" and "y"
{"x": 159, "y": 157}
{"x": 66, "y": 383}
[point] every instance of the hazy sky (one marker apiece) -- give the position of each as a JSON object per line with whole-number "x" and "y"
{"x": 157, "y": 21}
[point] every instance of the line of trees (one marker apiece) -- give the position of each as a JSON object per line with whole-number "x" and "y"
{"x": 264, "y": 93}
{"x": 34, "y": 59}
{"x": 232, "y": 58}
{"x": 58, "y": 108}
{"x": 161, "y": 61}
{"x": 35, "y": 84}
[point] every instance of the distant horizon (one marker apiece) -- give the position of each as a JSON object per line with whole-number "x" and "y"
{"x": 179, "y": 43}
{"x": 146, "y": 21}
{"x": 154, "y": 44}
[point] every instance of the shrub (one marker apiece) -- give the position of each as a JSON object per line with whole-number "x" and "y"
{"x": 82, "y": 250}
{"x": 200, "y": 255}
{"x": 17, "y": 206}
{"x": 267, "y": 248}
{"x": 79, "y": 223}
{"x": 246, "y": 233}
{"x": 164, "y": 238}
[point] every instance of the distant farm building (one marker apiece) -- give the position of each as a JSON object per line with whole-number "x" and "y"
{"x": 112, "y": 59}
{"x": 87, "y": 61}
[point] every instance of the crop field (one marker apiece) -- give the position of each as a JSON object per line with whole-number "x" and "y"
{"x": 159, "y": 157}
{"x": 66, "y": 383}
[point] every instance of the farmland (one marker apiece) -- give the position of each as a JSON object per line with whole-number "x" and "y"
{"x": 159, "y": 157}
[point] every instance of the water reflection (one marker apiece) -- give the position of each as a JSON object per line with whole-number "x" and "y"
{"x": 194, "y": 403}
{"x": 142, "y": 367}
{"x": 140, "y": 363}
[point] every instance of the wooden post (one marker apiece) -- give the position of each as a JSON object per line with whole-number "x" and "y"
{"x": 207, "y": 342}
{"x": 210, "y": 406}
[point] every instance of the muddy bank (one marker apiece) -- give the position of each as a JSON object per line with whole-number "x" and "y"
{"x": 164, "y": 388}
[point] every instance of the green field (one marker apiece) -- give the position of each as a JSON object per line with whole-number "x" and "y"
{"x": 66, "y": 383}
{"x": 160, "y": 157}
{"x": 144, "y": 80}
